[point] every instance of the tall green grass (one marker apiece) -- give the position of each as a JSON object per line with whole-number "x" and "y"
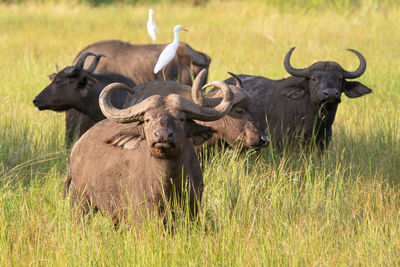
{"x": 259, "y": 208}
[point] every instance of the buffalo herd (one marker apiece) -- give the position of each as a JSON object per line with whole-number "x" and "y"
{"x": 138, "y": 133}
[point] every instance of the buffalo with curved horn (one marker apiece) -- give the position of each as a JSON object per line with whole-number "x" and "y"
{"x": 303, "y": 107}
{"x": 142, "y": 158}
{"x": 76, "y": 91}
{"x": 306, "y": 72}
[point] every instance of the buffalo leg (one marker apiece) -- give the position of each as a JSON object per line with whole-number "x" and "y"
{"x": 72, "y": 118}
{"x": 324, "y": 140}
{"x": 76, "y": 124}
{"x": 80, "y": 204}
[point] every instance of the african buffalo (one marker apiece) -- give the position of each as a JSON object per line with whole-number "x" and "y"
{"x": 240, "y": 127}
{"x": 303, "y": 107}
{"x": 137, "y": 61}
{"x": 148, "y": 162}
{"x": 76, "y": 91}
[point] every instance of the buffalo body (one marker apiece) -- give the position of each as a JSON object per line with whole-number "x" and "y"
{"x": 137, "y": 61}
{"x": 145, "y": 163}
{"x": 302, "y": 108}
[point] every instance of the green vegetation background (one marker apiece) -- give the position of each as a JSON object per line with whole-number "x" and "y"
{"x": 261, "y": 208}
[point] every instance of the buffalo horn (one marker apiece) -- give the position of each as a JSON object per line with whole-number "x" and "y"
{"x": 193, "y": 110}
{"x": 295, "y": 72}
{"x": 198, "y": 112}
{"x": 81, "y": 60}
{"x": 361, "y": 68}
{"x": 127, "y": 115}
{"x": 239, "y": 81}
{"x": 95, "y": 62}
{"x": 197, "y": 92}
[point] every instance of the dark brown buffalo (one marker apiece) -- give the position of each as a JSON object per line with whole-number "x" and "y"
{"x": 303, "y": 107}
{"x": 117, "y": 167}
{"x": 76, "y": 91}
{"x": 137, "y": 61}
{"x": 240, "y": 127}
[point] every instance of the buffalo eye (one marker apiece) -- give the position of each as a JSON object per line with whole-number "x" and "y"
{"x": 314, "y": 79}
{"x": 239, "y": 111}
{"x": 178, "y": 117}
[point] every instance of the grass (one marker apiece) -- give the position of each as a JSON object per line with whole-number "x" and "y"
{"x": 268, "y": 208}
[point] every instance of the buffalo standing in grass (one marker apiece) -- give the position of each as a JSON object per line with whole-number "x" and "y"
{"x": 144, "y": 163}
{"x": 76, "y": 91}
{"x": 137, "y": 61}
{"x": 240, "y": 127}
{"x": 303, "y": 106}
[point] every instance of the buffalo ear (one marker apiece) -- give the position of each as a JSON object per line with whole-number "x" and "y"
{"x": 355, "y": 89}
{"x": 199, "y": 133}
{"x": 128, "y": 138}
{"x": 51, "y": 76}
{"x": 293, "y": 92}
{"x": 87, "y": 83}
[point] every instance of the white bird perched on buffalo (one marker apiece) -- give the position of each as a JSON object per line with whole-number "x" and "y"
{"x": 169, "y": 51}
{"x": 151, "y": 26}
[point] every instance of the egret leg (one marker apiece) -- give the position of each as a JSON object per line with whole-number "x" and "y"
{"x": 163, "y": 73}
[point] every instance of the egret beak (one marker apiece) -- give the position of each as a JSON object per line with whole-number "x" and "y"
{"x": 183, "y": 29}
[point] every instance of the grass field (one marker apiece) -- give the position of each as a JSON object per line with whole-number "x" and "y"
{"x": 269, "y": 208}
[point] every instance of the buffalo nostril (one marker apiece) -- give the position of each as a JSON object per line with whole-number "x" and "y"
{"x": 163, "y": 134}
{"x": 265, "y": 138}
{"x": 34, "y": 101}
{"x": 325, "y": 93}
{"x": 170, "y": 133}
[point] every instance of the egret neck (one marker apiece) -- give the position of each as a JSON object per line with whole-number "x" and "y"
{"x": 176, "y": 36}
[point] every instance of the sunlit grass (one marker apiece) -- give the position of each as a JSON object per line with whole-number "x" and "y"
{"x": 259, "y": 208}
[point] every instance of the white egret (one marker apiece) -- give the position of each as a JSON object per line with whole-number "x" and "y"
{"x": 151, "y": 26}
{"x": 169, "y": 52}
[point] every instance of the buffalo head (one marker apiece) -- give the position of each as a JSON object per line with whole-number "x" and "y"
{"x": 165, "y": 122}
{"x": 326, "y": 80}
{"x": 69, "y": 86}
{"x": 243, "y": 126}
